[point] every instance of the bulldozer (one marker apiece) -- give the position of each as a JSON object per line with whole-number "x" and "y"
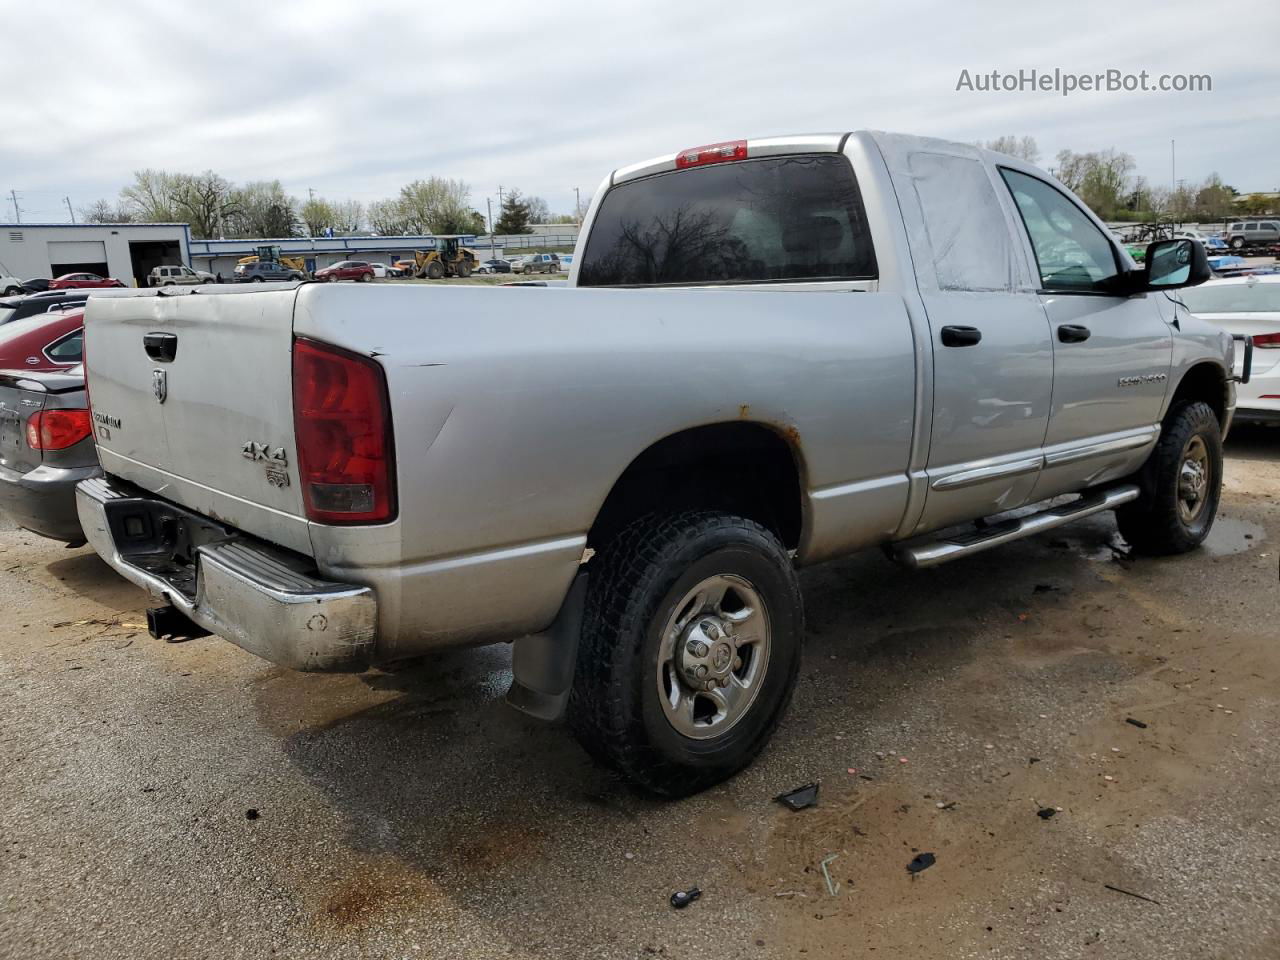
{"x": 270, "y": 253}
{"x": 450, "y": 259}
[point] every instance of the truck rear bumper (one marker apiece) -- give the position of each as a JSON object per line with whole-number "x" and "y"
{"x": 262, "y": 598}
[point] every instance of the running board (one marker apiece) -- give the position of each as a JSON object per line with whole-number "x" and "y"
{"x": 933, "y": 552}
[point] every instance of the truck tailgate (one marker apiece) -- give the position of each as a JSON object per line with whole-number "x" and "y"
{"x": 192, "y": 400}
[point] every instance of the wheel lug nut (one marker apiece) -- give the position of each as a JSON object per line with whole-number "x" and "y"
{"x": 702, "y": 670}
{"x": 711, "y": 684}
{"x": 737, "y": 663}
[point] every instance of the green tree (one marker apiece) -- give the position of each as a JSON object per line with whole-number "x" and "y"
{"x": 263, "y": 209}
{"x": 436, "y": 205}
{"x": 515, "y": 215}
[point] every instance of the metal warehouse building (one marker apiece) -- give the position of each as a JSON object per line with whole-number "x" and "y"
{"x": 126, "y": 251}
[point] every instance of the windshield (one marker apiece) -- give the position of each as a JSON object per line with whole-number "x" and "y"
{"x": 1233, "y": 298}
{"x": 773, "y": 219}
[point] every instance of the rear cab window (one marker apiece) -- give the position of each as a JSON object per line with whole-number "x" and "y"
{"x": 768, "y": 220}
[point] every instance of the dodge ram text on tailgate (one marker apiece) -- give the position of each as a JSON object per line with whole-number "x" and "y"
{"x": 771, "y": 352}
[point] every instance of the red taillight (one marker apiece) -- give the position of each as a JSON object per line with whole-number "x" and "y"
{"x": 712, "y": 153}
{"x": 342, "y": 423}
{"x": 1266, "y": 341}
{"x": 57, "y": 429}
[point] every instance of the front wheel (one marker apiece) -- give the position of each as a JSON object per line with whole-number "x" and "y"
{"x": 690, "y": 647}
{"x": 366, "y": 277}
{"x": 1181, "y": 485}
{"x": 12, "y": 291}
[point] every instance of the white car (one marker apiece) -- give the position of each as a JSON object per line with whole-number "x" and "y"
{"x": 11, "y": 287}
{"x": 1247, "y": 306}
{"x": 381, "y": 271}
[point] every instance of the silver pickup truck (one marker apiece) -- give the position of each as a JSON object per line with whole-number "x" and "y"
{"x": 769, "y": 353}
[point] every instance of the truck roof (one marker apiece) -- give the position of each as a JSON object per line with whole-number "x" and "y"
{"x": 807, "y": 143}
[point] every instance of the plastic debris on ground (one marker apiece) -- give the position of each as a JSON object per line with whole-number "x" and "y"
{"x": 800, "y": 797}
{"x": 922, "y": 861}
{"x": 682, "y": 898}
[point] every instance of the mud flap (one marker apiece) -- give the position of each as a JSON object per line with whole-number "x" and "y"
{"x": 543, "y": 663}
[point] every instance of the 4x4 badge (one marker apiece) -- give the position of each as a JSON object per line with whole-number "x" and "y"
{"x": 159, "y": 385}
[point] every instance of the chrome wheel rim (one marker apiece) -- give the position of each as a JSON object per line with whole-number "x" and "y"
{"x": 713, "y": 657}
{"x": 1194, "y": 476}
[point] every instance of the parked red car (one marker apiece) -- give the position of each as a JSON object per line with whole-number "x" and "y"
{"x": 70, "y": 280}
{"x": 347, "y": 270}
{"x": 46, "y": 341}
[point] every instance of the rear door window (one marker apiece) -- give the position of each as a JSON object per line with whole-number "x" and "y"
{"x": 776, "y": 219}
{"x": 70, "y": 349}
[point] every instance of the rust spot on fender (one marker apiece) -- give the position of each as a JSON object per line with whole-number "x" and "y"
{"x": 792, "y": 433}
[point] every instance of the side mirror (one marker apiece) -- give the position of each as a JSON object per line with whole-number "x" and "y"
{"x": 1175, "y": 263}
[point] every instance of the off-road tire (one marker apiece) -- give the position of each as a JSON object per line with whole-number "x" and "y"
{"x": 1153, "y": 523}
{"x": 434, "y": 270}
{"x": 634, "y": 583}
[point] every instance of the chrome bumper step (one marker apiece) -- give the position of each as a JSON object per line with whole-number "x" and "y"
{"x": 930, "y": 553}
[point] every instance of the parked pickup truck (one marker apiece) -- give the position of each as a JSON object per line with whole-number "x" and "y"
{"x": 856, "y": 340}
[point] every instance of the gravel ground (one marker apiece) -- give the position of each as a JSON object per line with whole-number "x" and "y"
{"x": 189, "y": 800}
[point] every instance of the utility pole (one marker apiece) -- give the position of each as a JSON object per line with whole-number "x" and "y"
{"x": 1173, "y": 164}
{"x": 488, "y": 202}
{"x": 17, "y": 211}
{"x": 311, "y": 193}
{"x": 577, "y": 206}
{"x": 69, "y": 210}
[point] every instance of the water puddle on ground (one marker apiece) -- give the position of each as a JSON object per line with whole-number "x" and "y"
{"x": 1232, "y": 535}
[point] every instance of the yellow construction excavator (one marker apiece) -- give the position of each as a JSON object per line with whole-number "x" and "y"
{"x": 449, "y": 259}
{"x": 270, "y": 253}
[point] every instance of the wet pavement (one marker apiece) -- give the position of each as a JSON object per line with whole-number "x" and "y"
{"x": 166, "y": 800}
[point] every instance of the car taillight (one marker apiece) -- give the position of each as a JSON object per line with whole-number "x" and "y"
{"x": 57, "y": 429}
{"x": 1266, "y": 341}
{"x": 712, "y": 153}
{"x": 342, "y": 423}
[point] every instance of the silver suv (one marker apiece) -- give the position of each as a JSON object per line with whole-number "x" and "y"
{"x": 1252, "y": 233}
{"x": 168, "y": 275}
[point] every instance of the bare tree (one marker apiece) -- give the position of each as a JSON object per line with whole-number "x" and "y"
{"x": 539, "y": 212}
{"x": 104, "y": 211}
{"x": 205, "y": 201}
{"x": 1024, "y": 148}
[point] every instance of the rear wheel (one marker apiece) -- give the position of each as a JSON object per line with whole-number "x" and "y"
{"x": 464, "y": 270}
{"x": 366, "y": 277}
{"x": 257, "y": 280}
{"x": 690, "y": 647}
{"x": 12, "y": 291}
{"x": 1181, "y": 485}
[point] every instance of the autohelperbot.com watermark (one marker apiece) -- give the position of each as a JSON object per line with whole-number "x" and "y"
{"x": 1066, "y": 82}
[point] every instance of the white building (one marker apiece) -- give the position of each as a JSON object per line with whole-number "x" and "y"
{"x": 125, "y": 251}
